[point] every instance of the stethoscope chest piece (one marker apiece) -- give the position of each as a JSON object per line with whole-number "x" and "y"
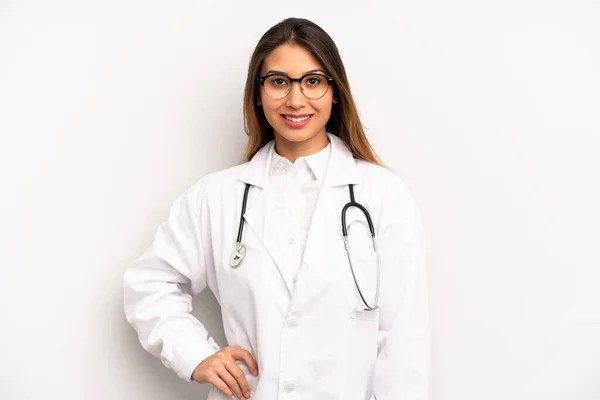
{"x": 237, "y": 256}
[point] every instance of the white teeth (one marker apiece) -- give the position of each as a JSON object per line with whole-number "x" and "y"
{"x": 296, "y": 119}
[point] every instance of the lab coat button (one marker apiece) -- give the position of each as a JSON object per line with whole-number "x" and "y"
{"x": 289, "y": 387}
{"x": 292, "y": 323}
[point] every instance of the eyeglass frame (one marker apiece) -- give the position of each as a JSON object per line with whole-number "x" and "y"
{"x": 261, "y": 80}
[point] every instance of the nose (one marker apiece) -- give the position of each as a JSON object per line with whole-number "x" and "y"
{"x": 295, "y": 99}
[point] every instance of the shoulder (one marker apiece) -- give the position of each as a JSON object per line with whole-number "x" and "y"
{"x": 386, "y": 189}
{"x": 381, "y": 179}
{"x": 373, "y": 171}
{"x": 216, "y": 182}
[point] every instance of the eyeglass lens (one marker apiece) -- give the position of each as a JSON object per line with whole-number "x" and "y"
{"x": 313, "y": 86}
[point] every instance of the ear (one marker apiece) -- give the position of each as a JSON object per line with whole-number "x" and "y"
{"x": 334, "y": 100}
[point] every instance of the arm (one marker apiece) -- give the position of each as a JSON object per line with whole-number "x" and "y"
{"x": 402, "y": 367}
{"x": 158, "y": 290}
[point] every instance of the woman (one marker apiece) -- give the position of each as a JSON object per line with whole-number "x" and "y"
{"x": 303, "y": 319}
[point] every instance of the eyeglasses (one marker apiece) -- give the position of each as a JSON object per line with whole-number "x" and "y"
{"x": 313, "y": 86}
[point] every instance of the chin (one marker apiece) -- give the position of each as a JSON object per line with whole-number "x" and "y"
{"x": 297, "y": 135}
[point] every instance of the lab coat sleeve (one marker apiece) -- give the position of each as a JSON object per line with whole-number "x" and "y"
{"x": 402, "y": 366}
{"x": 159, "y": 285}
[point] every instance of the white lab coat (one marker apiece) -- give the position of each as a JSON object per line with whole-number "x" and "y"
{"x": 308, "y": 338}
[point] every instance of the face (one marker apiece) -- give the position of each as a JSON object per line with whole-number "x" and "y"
{"x": 296, "y": 120}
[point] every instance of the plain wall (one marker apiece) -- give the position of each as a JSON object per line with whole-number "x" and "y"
{"x": 488, "y": 110}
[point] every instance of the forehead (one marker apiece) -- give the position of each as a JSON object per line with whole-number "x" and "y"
{"x": 292, "y": 59}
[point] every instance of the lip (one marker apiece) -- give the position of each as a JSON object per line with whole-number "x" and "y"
{"x": 296, "y": 125}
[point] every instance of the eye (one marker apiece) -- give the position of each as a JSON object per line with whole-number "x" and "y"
{"x": 313, "y": 80}
{"x": 277, "y": 81}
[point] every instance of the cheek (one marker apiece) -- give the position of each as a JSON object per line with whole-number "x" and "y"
{"x": 270, "y": 106}
{"x": 324, "y": 107}
{"x": 262, "y": 98}
{"x": 325, "y": 104}
{"x": 270, "y": 110}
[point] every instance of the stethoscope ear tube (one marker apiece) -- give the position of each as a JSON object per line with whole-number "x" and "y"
{"x": 367, "y": 306}
{"x": 353, "y": 203}
{"x": 244, "y": 202}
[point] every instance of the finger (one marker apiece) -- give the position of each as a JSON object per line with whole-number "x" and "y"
{"x": 239, "y": 376}
{"x": 250, "y": 362}
{"x": 217, "y": 382}
{"x": 231, "y": 381}
{"x": 244, "y": 355}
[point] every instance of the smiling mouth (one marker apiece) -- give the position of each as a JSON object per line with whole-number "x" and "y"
{"x": 296, "y": 119}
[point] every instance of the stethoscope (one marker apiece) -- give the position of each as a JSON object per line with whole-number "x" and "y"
{"x": 240, "y": 251}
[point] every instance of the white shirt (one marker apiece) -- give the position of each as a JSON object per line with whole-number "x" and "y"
{"x": 295, "y": 191}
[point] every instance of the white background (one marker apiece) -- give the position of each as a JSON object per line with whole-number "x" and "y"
{"x": 488, "y": 110}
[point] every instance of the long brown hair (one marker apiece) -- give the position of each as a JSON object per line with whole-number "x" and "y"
{"x": 344, "y": 121}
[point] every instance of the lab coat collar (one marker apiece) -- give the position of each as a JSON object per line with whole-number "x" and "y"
{"x": 341, "y": 169}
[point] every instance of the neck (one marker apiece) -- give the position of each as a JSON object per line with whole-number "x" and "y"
{"x": 292, "y": 150}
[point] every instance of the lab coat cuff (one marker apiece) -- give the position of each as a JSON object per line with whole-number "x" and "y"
{"x": 187, "y": 356}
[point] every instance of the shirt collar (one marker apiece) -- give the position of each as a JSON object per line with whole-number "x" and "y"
{"x": 342, "y": 167}
{"x": 315, "y": 163}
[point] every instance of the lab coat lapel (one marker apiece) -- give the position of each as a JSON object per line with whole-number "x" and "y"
{"x": 325, "y": 229}
{"x": 257, "y": 212}
{"x": 325, "y": 232}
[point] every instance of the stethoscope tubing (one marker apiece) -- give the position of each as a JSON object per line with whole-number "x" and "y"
{"x": 240, "y": 250}
{"x": 367, "y": 215}
{"x": 241, "y": 227}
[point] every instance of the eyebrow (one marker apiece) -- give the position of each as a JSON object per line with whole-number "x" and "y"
{"x": 286, "y": 74}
